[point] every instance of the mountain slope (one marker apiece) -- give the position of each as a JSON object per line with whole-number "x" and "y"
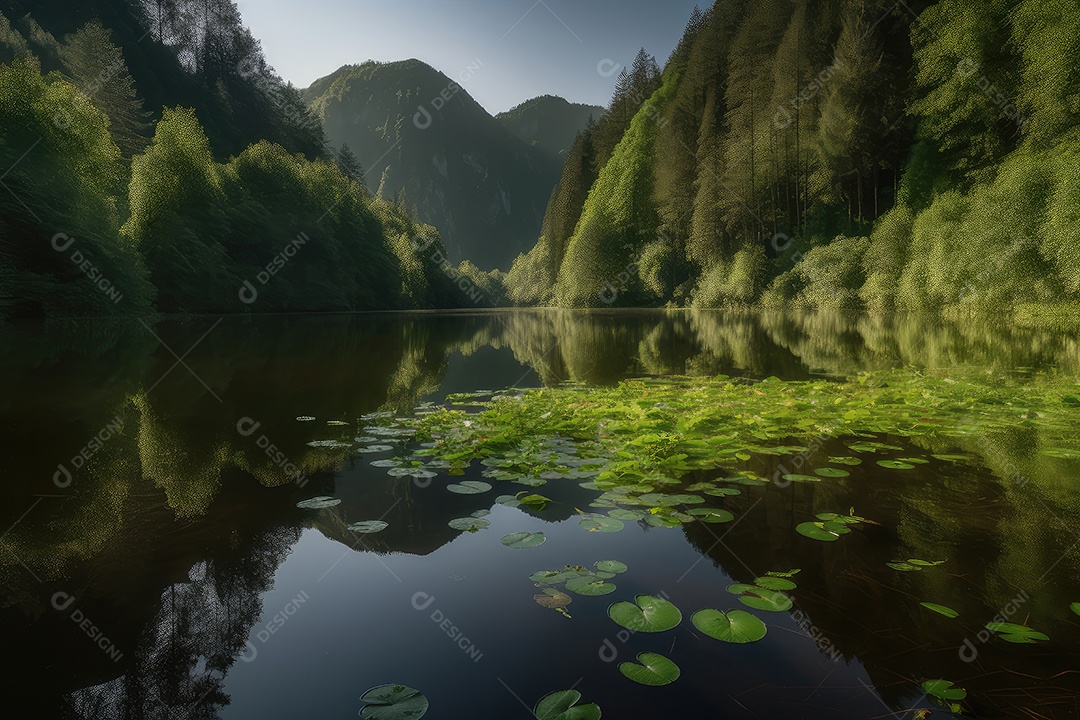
{"x": 422, "y": 139}
{"x": 549, "y": 123}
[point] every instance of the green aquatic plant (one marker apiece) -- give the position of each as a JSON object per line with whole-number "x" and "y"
{"x": 646, "y": 614}
{"x": 365, "y": 527}
{"x": 393, "y": 702}
{"x": 733, "y": 626}
{"x": 522, "y": 540}
{"x": 562, "y": 705}
{"x": 469, "y": 487}
{"x": 651, "y": 669}
{"x": 941, "y": 609}
{"x": 318, "y": 503}
{"x": 945, "y": 692}
{"x": 760, "y": 598}
{"x": 1019, "y": 634}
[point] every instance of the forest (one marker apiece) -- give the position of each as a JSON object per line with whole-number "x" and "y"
{"x": 153, "y": 161}
{"x": 830, "y": 154}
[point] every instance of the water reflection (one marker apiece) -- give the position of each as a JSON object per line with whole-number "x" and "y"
{"x": 153, "y": 474}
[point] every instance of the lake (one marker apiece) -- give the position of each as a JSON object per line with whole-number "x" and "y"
{"x": 156, "y": 562}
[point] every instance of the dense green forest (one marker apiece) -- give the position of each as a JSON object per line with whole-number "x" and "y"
{"x": 843, "y": 154}
{"x": 153, "y": 160}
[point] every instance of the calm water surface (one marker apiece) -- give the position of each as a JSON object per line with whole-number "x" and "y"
{"x": 155, "y": 564}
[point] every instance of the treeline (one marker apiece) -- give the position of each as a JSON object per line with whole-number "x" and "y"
{"x": 223, "y": 198}
{"x": 850, "y": 154}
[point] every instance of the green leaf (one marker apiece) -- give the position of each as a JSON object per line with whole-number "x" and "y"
{"x": 562, "y": 705}
{"x": 469, "y": 487}
{"x": 653, "y": 670}
{"x": 796, "y": 477}
{"x": 469, "y": 524}
{"x": 735, "y": 626}
{"x": 594, "y": 522}
{"x": 895, "y": 464}
{"x": 318, "y": 503}
{"x": 943, "y": 690}
{"x": 831, "y": 472}
{"x": 760, "y": 598}
{"x": 775, "y": 583}
{"x": 612, "y": 566}
{"x": 553, "y": 599}
{"x": 1075, "y": 607}
{"x": 941, "y": 609}
{"x": 816, "y": 531}
{"x": 1014, "y": 633}
{"x": 591, "y": 586}
{"x": 649, "y": 614}
{"x": 712, "y": 515}
{"x": 368, "y": 526}
{"x": 393, "y": 702}
{"x": 523, "y": 540}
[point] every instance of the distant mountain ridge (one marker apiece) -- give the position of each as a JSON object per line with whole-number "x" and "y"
{"x": 422, "y": 139}
{"x": 549, "y": 122}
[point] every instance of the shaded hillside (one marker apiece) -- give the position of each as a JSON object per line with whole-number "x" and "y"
{"x": 830, "y": 154}
{"x": 549, "y": 123}
{"x": 424, "y": 142}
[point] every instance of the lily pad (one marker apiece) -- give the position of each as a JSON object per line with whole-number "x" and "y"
{"x": 760, "y": 598}
{"x": 614, "y": 566}
{"x": 1011, "y": 632}
{"x": 591, "y": 586}
{"x": 562, "y": 705}
{"x": 816, "y": 531}
{"x": 775, "y": 583}
{"x": 469, "y": 524}
{"x": 796, "y": 477}
{"x": 370, "y": 449}
{"x": 393, "y": 702}
{"x": 318, "y": 503}
{"x": 944, "y": 690}
{"x": 552, "y": 598}
{"x": 523, "y": 540}
{"x": 941, "y": 609}
{"x": 663, "y": 521}
{"x": 626, "y": 514}
{"x": 653, "y": 670}
{"x": 1075, "y": 607}
{"x": 831, "y": 472}
{"x": 649, "y": 614}
{"x": 365, "y": 527}
{"x": 895, "y": 464}
{"x": 712, "y": 515}
{"x": 469, "y": 487}
{"x": 594, "y": 522}
{"x": 734, "y": 626}
{"x": 845, "y": 460}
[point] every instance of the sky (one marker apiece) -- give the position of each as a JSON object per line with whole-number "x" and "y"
{"x": 503, "y": 51}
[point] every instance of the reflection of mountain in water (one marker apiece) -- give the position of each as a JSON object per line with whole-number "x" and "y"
{"x": 171, "y": 531}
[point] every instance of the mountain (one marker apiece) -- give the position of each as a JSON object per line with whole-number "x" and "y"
{"x": 549, "y": 122}
{"x": 175, "y": 171}
{"x": 425, "y": 142}
{"x": 835, "y": 155}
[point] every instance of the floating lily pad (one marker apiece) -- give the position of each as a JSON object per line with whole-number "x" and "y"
{"x": 387, "y": 463}
{"x": 944, "y": 690}
{"x": 895, "y": 464}
{"x": 1075, "y": 607}
{"x": 552, "y": 598}
{"x": 952, "y": 457}
{"x": 594, "y": 522}
{"x": 925, "y": 563}
{"x": 712, "y": 515}
{"x": 523, "y": 540}
{"x": 775, "y": 583}
{"x": 914, "y": 460}
{"x": 318, "y": 503}
{"x": 735, "y": 626}
{"x": 760, "y": 598}
{"x": 365, "y": 527}
{"x": 336, "y": 423}
{"x": 562, "y": 705}
{"x": 816, "y": 531}
{"x": 649, "y": 614}
{"x": 469, "y": 524}
{"x": 329, "y": 444}
{"x": 533, "y": 501}
{"x": 902, "y": 566}
{"x": 831, "y": 472}
{"x": 626, "y": 514}
{"x": 591, "y": 586}
{"x": 721, "y": 491}
{"x": 651, "y": 669}
{"x": 796, "y": 477}
{"x": 469, "y": 487}
{"x": 612, "y": 566}
{"x": 941, "y": 609}
{"x": 845, "y": 460}
{"x": 368, "y": 449}
{"x": 393, "y": 702}
{"x": 508, "y": 500}
{"x": 663, "y": 521}
{"x": 1011, "y": 632}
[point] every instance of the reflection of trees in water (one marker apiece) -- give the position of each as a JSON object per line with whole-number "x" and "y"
{"x": 179, "y": 667}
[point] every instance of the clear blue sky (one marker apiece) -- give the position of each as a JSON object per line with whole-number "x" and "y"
{"x": 525, "y": 48}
